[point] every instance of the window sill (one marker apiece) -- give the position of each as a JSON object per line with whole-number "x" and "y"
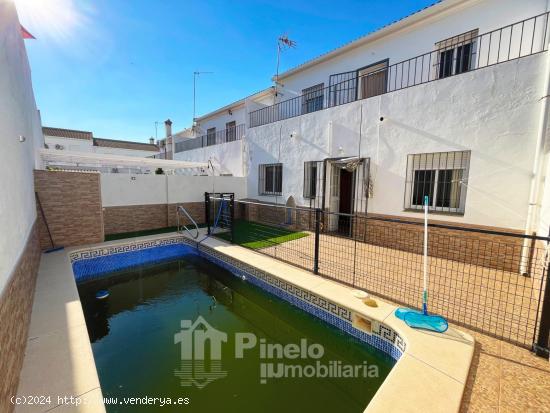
{"x": 435, "y": 212}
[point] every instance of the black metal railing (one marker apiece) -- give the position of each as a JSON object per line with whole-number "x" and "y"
{"x": 215, "y": 138}
{"x": 454, "y": 56}
{"x": 493, "y": 282}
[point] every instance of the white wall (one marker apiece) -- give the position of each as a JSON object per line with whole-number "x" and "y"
{"x": 83, "y": 145}
{"x": 219, "y": 120}
{"x": 18, "y": 116}
{"x": 493, "y": 112}
{"x": 544, "y": 214}
{"x": 121, "y": 189}
{"x": 485, "y": 15}
{"x": 123, "y": 151}
{"x": 69, "y": 144}
{"x": 227, "y": 158}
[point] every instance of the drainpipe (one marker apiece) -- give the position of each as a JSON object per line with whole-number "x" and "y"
{"x": 537, "y": 171}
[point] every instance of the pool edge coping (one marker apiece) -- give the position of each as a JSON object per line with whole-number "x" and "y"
{"x": 421, "y": 362}
{"x": 56, "y": 300}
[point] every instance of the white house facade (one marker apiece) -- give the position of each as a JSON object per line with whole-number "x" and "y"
{"x": 84, "y": 141}
{"x": 448, "y": 103}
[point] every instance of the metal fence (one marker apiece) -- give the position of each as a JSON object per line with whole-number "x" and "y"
{"x": 460, "y": 54}
{"x": 493, "y": 282}
{"x": 215, "y": 138}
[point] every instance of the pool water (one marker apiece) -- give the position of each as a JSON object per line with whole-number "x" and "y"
{"x": 133, "y": 340}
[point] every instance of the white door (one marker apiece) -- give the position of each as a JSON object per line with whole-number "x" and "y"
{"x": 334, "y": 204}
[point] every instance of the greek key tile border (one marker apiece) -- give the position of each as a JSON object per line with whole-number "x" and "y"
{"x": 96, "y": 252}
{"x": 383, "y": 337}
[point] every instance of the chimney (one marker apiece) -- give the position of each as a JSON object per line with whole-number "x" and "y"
{"x": 152, "y": 140}
{"x": 168, "y": 127}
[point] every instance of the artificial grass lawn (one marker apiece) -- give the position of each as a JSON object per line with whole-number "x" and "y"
{"x": 255, "y": 236}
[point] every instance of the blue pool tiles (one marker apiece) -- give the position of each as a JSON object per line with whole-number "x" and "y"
{"x": 86, "y": 269}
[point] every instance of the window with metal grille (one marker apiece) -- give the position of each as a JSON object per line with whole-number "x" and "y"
{"x": 441, "y": 176}
{"x": 270, "y": 179}
{"x": 312, "y": 98}
{"x": 230, "y": 131}
{"x": 343, "y": 88}
{"x": 456, "y": 54}
{"x": 310, "y": 179}
{"x": 211, "y": 136}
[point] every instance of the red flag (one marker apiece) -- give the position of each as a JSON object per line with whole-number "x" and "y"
{"x": 25, "y": 33}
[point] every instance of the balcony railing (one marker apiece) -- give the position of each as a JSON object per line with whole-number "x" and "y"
{"x": 222, "y": 136}
{"x": 457, "y": 55}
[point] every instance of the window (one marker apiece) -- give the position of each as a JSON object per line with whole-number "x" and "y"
{"x": 343, "y": 87}
{"x": 312, "y": 98}
{"x": 373, "y": 80}
{"x": 270, "y": 179}
{"x": 230, "y": 131}
{"x": 456, "y": 54}
{"x": 442, "y": 177}
{"x": 310, "y": 179}
{"x": 210, "y": 136}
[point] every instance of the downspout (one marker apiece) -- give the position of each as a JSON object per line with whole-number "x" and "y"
{"x": 537, "y": 171}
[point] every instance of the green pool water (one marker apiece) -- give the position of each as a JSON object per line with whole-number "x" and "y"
{"x": 133, "y": 340}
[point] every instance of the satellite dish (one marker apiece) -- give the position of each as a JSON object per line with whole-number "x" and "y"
{"x": 59, "y": 147}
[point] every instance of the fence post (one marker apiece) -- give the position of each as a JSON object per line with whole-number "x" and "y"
{"x": 207, "y": 211}
{"x": 317, "y": 231}
{"x": 232, "y": 215}
{"x": 541, "y": 346}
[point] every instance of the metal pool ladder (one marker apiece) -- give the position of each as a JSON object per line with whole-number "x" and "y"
{"x": 179, "y": 227}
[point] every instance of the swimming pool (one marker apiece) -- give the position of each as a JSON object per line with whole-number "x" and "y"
{"x": 138, "y": 341}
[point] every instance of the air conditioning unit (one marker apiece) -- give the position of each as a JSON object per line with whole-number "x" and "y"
{"x": 59, "y": 147}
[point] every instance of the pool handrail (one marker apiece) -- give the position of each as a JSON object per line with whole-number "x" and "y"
{"x": 178, "y": 227}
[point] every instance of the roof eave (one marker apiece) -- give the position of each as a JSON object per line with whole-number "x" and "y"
{"x": 377, "y": 34}
{"x": 237, "y": 103}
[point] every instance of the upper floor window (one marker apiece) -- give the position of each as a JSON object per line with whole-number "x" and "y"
{"x": 373, "y": 79}
{"x": 270, "y": 179}
{"x": 312, "y": 98}
{"x": 441, "y": 176}
{"x": 456, "y": 54}
{"x": 230, "y": 131}
{"x": 211, "y": 136}
{"x": 310, "y": 179}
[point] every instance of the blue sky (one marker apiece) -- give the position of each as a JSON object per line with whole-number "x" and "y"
{"x": 115, "y": 67}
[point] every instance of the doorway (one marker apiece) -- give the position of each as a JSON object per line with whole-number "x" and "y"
{"x": 346, "y": 201}
{"x": 342, "y": 184}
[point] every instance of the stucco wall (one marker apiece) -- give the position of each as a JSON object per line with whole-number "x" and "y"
{"x": 219, "y": 120}
{"x": 419, "y": 38}
{"x": 227, "y": 158}
{"x": 123, "y": 151}
{"x": 68, "y": 144}
{"x": 124, "y": 190}
{"x": 493, "y": 112}
{"x": 83, "y": 145}
{"x": 544, "y": 213}
{"x": 18, "y": 116}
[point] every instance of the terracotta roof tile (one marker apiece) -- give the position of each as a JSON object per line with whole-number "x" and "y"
{"x": 114, "y": 143}
{"x": 67, "y": 133}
